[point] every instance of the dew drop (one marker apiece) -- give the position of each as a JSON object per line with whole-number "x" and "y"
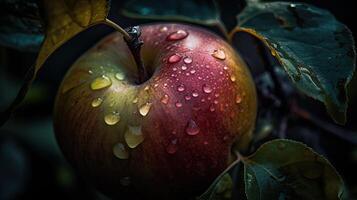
{"x": 192, "y": 128}
{"x": 120, "y": 151}
{"x": 125, "y": 181}
{"x": 183, "y": 67}
{"x": 219, "y": 54}
{"x": 206, "y": 89}
{"x": 133, "y": 136}
{"x": 181, "y": 88}
{"x": 165, "y": 99}
{"x": 100, "y": 83}
{"x": 233, "y": 78}
{"x": 172, "y": 147}
{"x": 195, "y": 94}
{"x": 211, "y": 108}
{"x": 144, "y": 109}
{"x": 174, "y": 58}
{"x": 97, "y": 102}
{"x": 177, "y": 35}
{"x": 163, "y": 29}
{"x": 187, "y": 60}
{"x": 178, "y": 104}
{"x": 119, "y": 76}
{"x": 187, "y": 97}
{"x": 112, "y": 118}
{"x": 135, "y": 100}
{"x": 192, "y": 71}
{"x": 238, "y": 99}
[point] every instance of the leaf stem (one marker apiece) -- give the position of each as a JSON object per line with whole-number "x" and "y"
{"x": 131, "y": 36}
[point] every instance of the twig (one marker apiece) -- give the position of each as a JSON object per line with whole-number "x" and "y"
{"x": 346, "y": 135}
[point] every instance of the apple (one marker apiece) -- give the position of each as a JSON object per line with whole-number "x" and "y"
{"x": 168, "y": 137}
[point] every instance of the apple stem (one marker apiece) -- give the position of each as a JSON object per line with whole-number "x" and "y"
{"x": 131, "y": 36}
{"x": 134, "y": 44}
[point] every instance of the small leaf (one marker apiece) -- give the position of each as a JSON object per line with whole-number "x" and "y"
{"x": 199, "y": 12}
{"x": 21, "y": 27}
{"x": 316, "y": 51}
{"x": 285, "y": 169}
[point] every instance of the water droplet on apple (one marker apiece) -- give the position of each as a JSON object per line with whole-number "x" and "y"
{"x": 90, "y": 72}
{"x": 120, "y": 151}
{"x": 144, "y": 109}
{"x": 125, "y": 181}
{"x": 177, "y": 35}
{"x": 119, "y": 76}
{"x": 215, "y": 101}
{"x": 178, "y": 104}
{"x": 187, "y": 60}
{"x": 225, "y": 67}
{"x": 97, "y": 102}
{"x": 181, "y": 88}
{"x": 195, "y": 94}
{"x": 135, "y": 100}
{"x": 100, "y": 83}
{"x": 133, "y": 136}
{"x": 172, "y": 147}
{"x": 192, "y": 128}
{"x": 174, "y": 58}
{"x": 207, "y": 66}
{"x": 206, "y": 88}
{"x": 174, "y": 69}
{"x": 147, "y": 88}
{"x": 211, "y": 108}
{"x": 233, "y": 78}
{"x": 165, "y": 99}
{"x": 163, "y": 29}
{"x": 238, "y": 99}
{"x": 183, "y": 67}
{"x": 192, "y": 71}
{"x": 219, "y": 54}
{"x": 112, "y": 118}
{"x": 187, "y": 97}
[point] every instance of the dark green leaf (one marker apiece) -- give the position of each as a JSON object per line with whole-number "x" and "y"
{"x": 194, "y": 11}
{"x": 285, "y": 169}
{"x": 222, "y": 186}
{"x": 20, "y": 25}
{"x": 315, "y": 49}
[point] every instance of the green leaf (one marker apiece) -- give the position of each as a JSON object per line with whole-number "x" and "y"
{"x": 316, "y": 51}
{"x": 64, "y": 20}
{"x": 285, "y": 169}
{"x": 21, "y": 27}
{"x": 193, "y": 11}
{"x": 222, "y": 186}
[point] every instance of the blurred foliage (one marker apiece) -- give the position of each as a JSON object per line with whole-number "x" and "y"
{"x": 21, "y": 26}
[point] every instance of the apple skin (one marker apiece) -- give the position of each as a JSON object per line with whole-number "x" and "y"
{"x": 196, "y": 114}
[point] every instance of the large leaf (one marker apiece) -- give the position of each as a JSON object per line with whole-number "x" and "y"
{"x": 285, "y": 169}
{"x": 64, "y": 20}
{"x": 194, "y": 11}
{"x": 20, "y": 27}
{"x": 315, "y": 49}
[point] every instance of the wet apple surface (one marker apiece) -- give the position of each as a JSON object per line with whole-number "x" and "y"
{"x": 168, "y": 137}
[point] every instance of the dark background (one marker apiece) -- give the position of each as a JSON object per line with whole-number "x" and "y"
{"x": 31, "y": 165}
